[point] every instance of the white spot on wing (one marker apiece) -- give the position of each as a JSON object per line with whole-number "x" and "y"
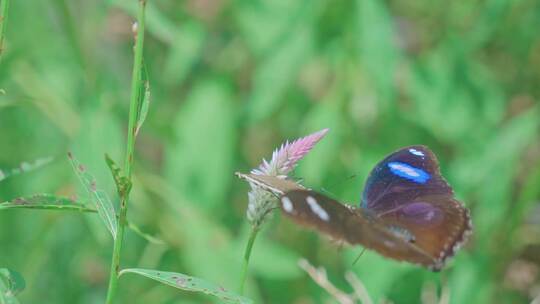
{"x": 416, "y": 152}
{"x": 321, "y": 213}
{"x": 287, "y": 204}
{"x": 388, "y": 244}
{"x": 430, "y": 215}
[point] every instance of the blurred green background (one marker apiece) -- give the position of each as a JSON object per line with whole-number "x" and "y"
{"x": 230, "y": 81}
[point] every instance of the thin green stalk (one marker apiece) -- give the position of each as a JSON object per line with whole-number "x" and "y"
{"x": 4, "y": 6}
{"x": 247, "y": 254}
{"x": 133, "y": 112}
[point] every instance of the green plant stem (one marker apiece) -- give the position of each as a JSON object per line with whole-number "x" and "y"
{"x": 4, "y": 6}
{"x": 247, "y": 254}
{"x": 133, "y": 113}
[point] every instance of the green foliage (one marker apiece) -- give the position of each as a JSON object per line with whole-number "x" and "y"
{"x": 231, "y": 80}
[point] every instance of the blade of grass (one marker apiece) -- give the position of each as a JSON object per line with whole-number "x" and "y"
{"x": 189, "y": 283}
{"x": 101, "y": 200}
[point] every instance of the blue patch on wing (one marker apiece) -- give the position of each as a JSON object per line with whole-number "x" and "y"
{"x": 409, "y": 172}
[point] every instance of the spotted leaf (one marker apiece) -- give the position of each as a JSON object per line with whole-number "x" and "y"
{"x": 189, "y": 283}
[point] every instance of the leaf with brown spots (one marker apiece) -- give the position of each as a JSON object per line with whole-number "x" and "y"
{"x": 46, "y": 201}
{"x": 189, "y": 283}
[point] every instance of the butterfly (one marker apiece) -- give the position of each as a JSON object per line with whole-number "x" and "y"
{"x": 408, "y": 211}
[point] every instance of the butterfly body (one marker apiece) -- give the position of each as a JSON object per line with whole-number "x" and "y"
{"x": 408, "y": 211}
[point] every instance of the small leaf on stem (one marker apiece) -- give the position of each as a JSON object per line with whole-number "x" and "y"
{"x": 145, "y": 105}
{"x": 144, "y": 235}
{"x": 123, "y": 185}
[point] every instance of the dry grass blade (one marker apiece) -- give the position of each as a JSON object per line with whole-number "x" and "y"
{"x": 359, "y": 288}
{"x": 429, "y": 294}
{"x": 319, "y": 276}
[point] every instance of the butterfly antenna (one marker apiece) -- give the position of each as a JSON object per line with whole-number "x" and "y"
{"x": 358, "y": 257}
{"x": 324, "y": 190}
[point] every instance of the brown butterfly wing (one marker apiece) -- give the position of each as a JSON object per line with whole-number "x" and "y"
{"x": 408, "y": 193}
{"x": 354, "y": 226}
{"x": 437, "y": 224}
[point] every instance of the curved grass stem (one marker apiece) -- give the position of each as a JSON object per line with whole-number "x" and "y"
{"x": 130, "y": 148}
{"x": 247, "y": 255}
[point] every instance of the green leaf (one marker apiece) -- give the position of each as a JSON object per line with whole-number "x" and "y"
{"x": 45, "y": 201}
{"x": 123, "y": 184}
{"x": 144, "y": 235}
{"x": 189, "y": 283}
{"x": 101, "y": 200}
{"x": 25, "y": 167}
{"x": 145, "y": 104}
{"x": 11, "y": 284}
